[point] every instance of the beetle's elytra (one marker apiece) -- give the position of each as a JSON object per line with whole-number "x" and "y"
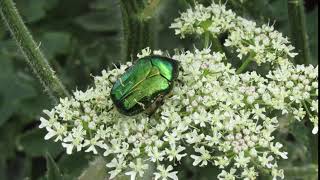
{"x": 144, "y": 84}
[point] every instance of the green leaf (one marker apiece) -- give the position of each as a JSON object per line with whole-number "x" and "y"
{"x": 53, "y": 171}
{"x": 100, "y": 21}
{"x": 32, "y": 107}
{"x": 55, "y": 43}
{"x": 103, "y": 5}
{"x": 12, "y": 90}
{"x": 8, "y": 133}
{"x": 34, "y": 10}
{"x": 34, "y": 145}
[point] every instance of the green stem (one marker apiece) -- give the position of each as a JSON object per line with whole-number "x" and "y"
{"x": 206, "y": 39}
{"x": 313, "y": 138}
{"x": 149, "y": 10}
{"x": 298, "y": 31}
{"x": 31, "y": 51}
{"x": 138, "y": 31}
{"x": 244, "y": 65}
{"x": 215, "y": 43}
{"x": 306, "y": 108}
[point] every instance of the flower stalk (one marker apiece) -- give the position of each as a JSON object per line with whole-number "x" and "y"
{"x": 31, "y": 51}
{"x": 206, "y": 40}
{"x": 298, "y": 31}
{"x": 244, "y": 65}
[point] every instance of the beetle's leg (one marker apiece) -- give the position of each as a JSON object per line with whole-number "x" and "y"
{"x": 155, "y": 105}
{"x": 121, "y": 82}
{"x": 160, "y": 100}
{"x": 152, "y": 109}
{"x": 141, "y": 104}
{"x": 170, "y": 94}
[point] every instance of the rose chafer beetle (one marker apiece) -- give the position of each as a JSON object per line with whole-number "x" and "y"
{"x": 144, "y": 85}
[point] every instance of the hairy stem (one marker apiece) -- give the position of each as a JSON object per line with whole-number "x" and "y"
{"x": 31, "y": 51}
{"x": 138, "y": 31}
{"x": 298, "y": 31}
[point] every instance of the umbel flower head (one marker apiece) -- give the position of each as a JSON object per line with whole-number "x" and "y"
{"x": 223, "y": 118}
{"x": 262, "y": 44}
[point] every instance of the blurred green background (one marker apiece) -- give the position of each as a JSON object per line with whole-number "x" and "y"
{"x": 80, "y": 38}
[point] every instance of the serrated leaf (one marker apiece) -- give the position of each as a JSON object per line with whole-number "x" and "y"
{"x": 34, "y": 145}
{"x": 53, "y": 171}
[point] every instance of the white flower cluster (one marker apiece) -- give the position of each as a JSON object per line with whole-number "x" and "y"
{"x": 260, "y": 44}
{"x": 226, "y": 118}
{"x": 297, "y": 86}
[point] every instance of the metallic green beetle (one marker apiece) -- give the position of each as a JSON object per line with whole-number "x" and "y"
{"x": 143, "y": 86}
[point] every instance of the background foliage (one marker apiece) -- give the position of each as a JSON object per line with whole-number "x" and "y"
{"x": 81, "y": 38}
